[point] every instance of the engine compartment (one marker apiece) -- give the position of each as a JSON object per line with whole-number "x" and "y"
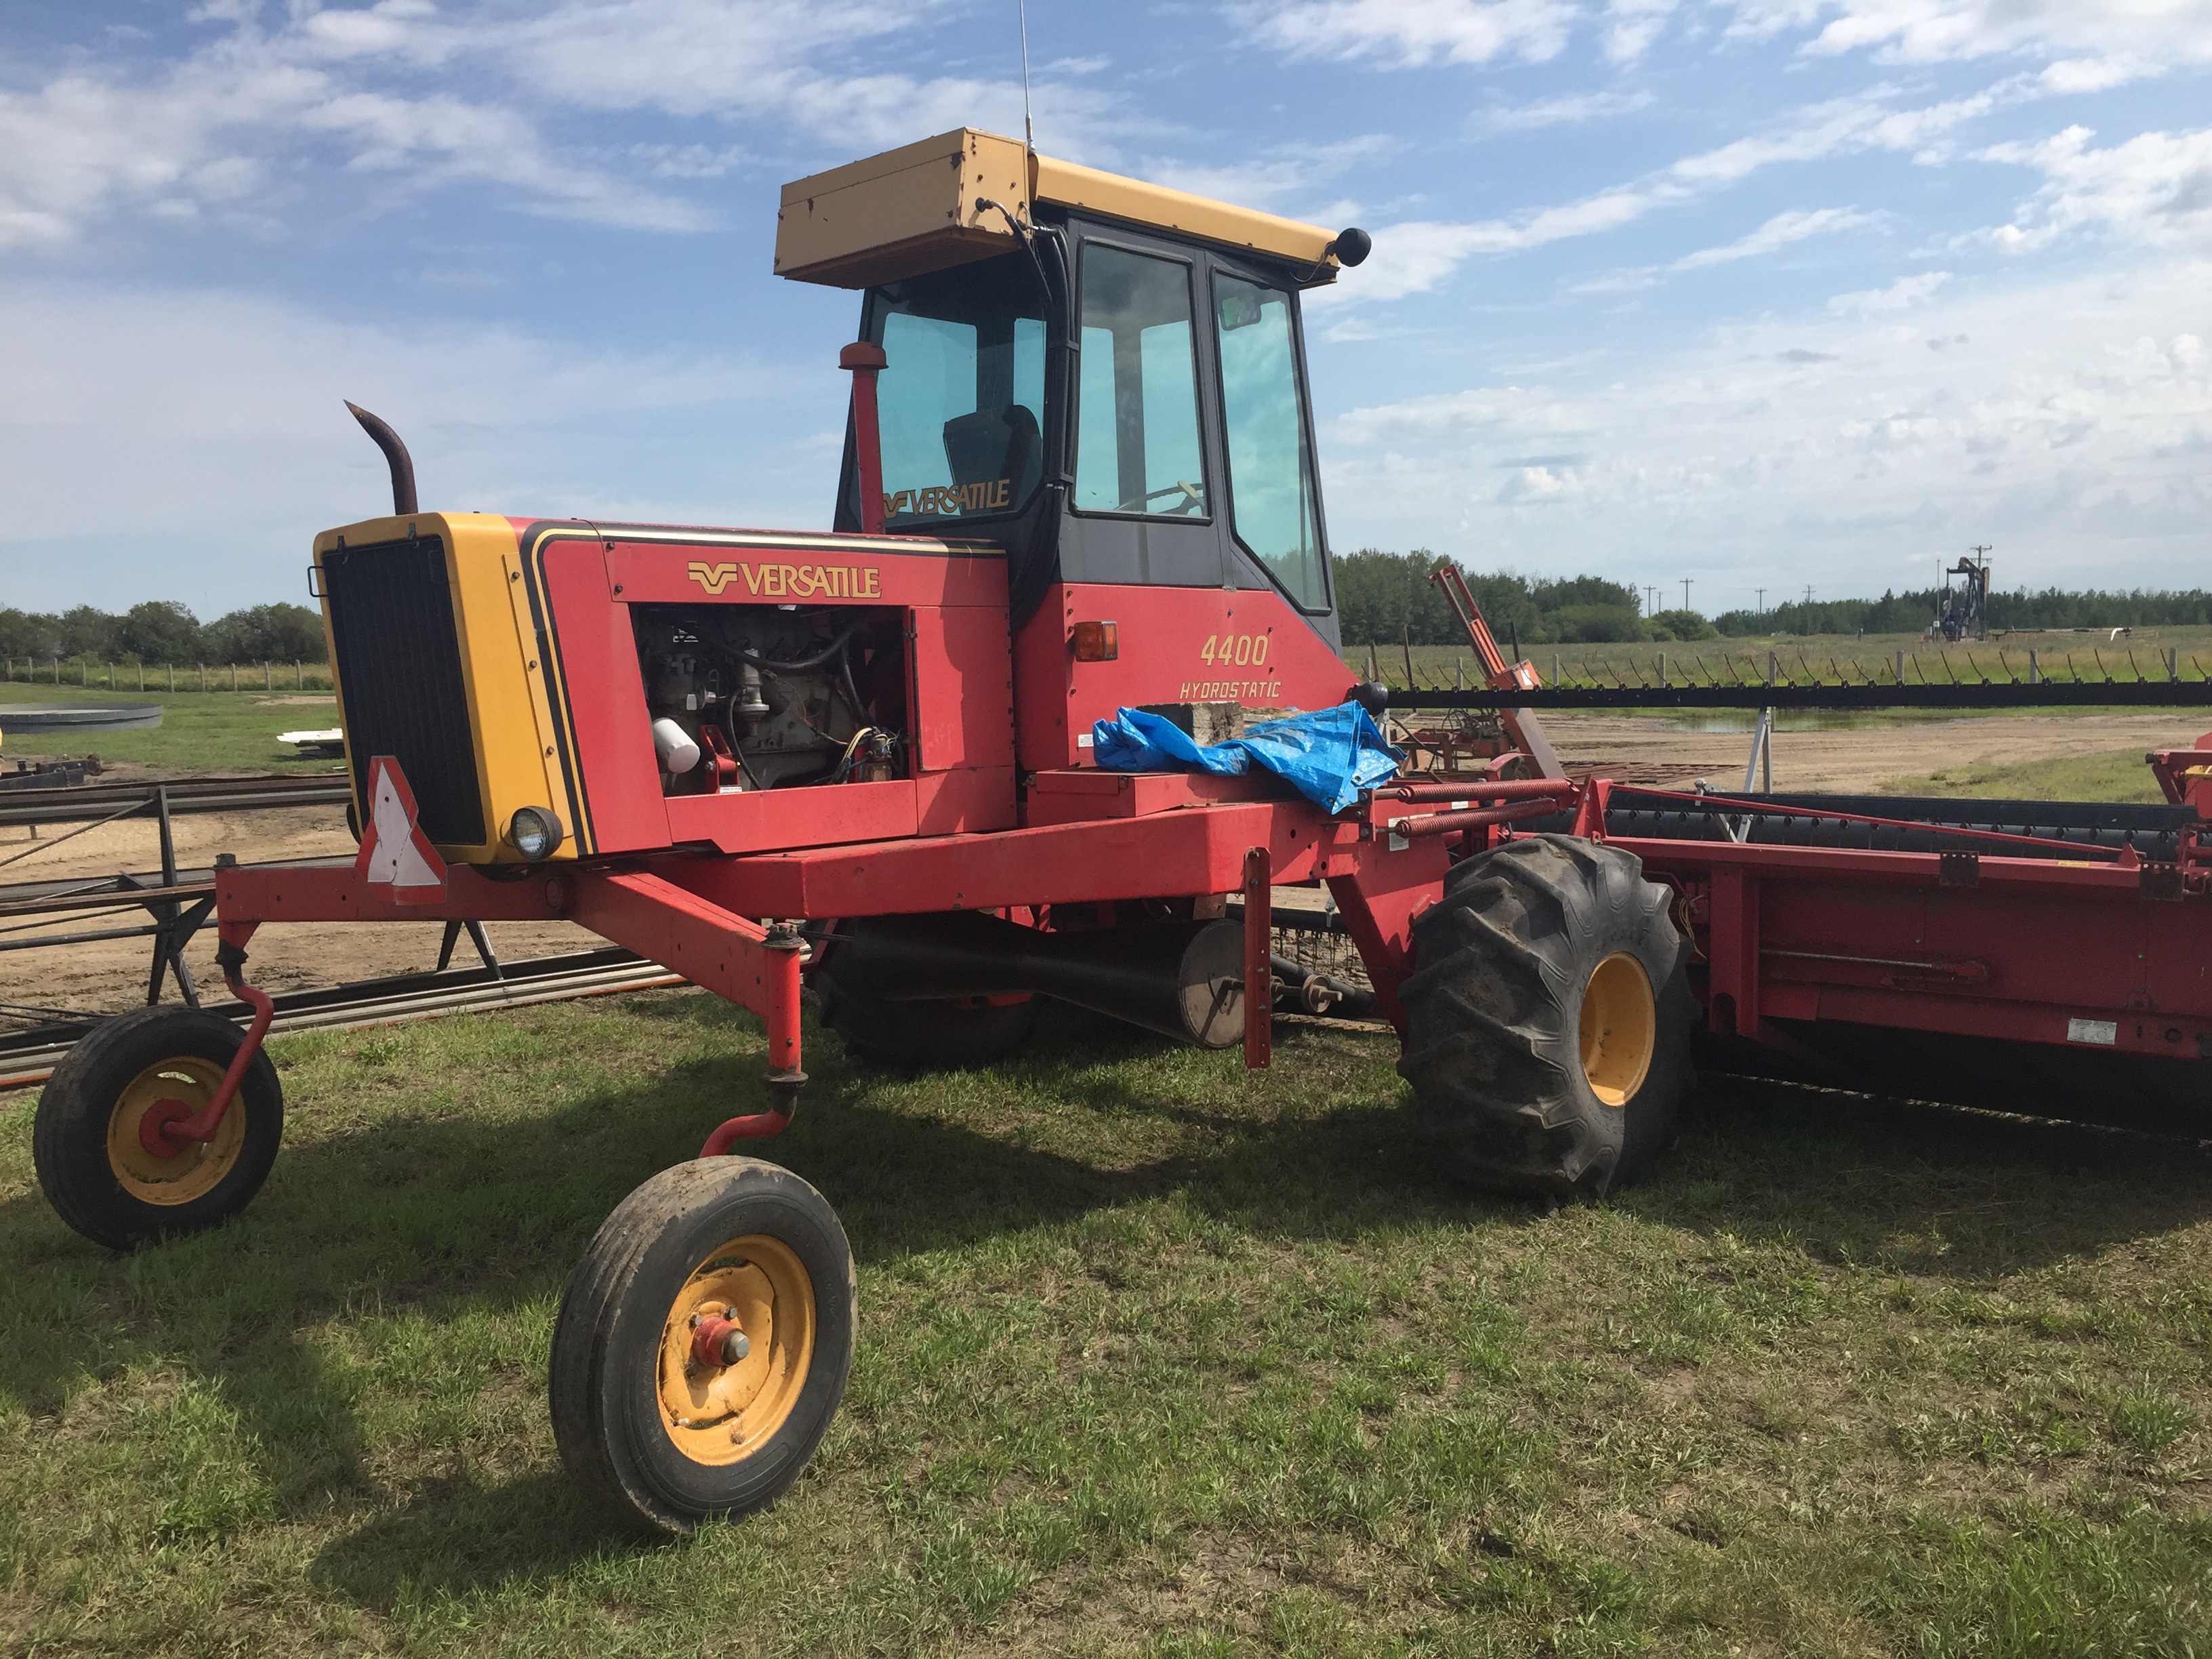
{"x": 773, "y": 696}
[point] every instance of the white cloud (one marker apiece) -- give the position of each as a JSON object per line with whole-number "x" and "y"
{"x": 2067, "y": 421}
{"x": 1408, "y": 33}
{"x": 2156, "y": 188}
{"x": 2096, "y": 46}
{"x": 423, "y": 99}
{"x": 1572, "y": 109}
{"x": 190, "y": 424}
{"x": 1294, "y": 175}
{"x": 1631, "y": 26}
{"x": 1900, "y": 295}
{"x": 1779, "y": 232}
{"x": 1412, "y": 258}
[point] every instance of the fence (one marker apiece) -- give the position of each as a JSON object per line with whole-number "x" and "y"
{"x": 92, "y": 674}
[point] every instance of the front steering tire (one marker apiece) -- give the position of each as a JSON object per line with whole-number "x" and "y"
{"x": 703, "y": 1343}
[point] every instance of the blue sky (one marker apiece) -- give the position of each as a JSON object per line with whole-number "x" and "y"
{"x": 1760, "y": 292}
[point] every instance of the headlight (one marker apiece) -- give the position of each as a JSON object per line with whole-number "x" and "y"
{"x": 533, "y": 831}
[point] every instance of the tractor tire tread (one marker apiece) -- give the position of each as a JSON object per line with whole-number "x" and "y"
{"x": 1493, "y": 1007}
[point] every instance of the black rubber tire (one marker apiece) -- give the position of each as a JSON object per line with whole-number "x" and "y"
{"x": 69, "y": 1139}
{"x": 928, "y": 1035}
{"x": 602, "y": 1376}
{"x": 1493, "y": 1011}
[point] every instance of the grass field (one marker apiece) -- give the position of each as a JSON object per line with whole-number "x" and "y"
{"x": 1826, "y": 658}
{"x": 1157, "y": 1357}
{"x": 2116, "y": 775}
{"x": 211, "y": 729}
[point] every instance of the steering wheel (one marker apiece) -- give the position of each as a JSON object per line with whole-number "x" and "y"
{"x": 1193, "y": 499}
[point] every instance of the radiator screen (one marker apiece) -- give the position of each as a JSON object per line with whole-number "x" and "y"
{"x": 399, "y": 675}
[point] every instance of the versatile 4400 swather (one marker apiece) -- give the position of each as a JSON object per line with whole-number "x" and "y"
{"x": 865, "y": 756}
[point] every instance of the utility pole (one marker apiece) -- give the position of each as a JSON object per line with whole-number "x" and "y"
{"x": 1762, "y": 601}
{"x": 1808, "y": 592}
{"x": 1686, "y": 592}
{"x": 1651, "y": 600}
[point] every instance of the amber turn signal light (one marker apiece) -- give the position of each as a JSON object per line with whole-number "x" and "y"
{"x": 1097, "y": 642}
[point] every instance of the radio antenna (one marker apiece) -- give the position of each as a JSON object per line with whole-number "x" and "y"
{"x": 1029, "y": 125}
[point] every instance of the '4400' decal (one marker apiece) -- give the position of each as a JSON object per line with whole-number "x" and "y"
{"x": 1238, "y": 650}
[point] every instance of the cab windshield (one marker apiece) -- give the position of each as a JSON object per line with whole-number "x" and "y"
{"x": 961, "y": 399}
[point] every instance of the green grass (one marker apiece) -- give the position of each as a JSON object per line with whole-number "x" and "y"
{"x": 210, "y": 729}
{"x": 1157, "y": 1356}
{"x": 2117, "y": 775}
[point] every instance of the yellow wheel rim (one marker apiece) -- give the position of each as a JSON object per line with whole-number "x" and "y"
{"x": 1619, "y": 1027}
{"x": 202, "y": 1165}
{"x": 725, "y": 1413}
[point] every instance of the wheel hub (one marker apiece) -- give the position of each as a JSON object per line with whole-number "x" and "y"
{"x": 146, "y": 1162}
{"x": 1619, "y": 1027}
{"x": 735, "y": 1350}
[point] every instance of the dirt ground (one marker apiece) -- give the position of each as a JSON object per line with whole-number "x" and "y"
{"x": 112, "y": 975}
{"x": 1863, "y": 758}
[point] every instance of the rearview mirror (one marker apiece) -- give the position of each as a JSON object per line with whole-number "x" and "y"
{"x": 1352, "y": 245}
{"x": 1240, "y": 308}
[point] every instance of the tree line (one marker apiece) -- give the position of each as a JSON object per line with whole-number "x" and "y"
{"x": 1910, "y": 612}
{"x": 1384, "y": 598}
{"x": 165, "y": 631}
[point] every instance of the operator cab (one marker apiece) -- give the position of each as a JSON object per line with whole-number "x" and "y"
{"x": 1103, "y": 376}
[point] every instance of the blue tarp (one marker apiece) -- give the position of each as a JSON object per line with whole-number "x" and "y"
{"x": 1329, "y": 755}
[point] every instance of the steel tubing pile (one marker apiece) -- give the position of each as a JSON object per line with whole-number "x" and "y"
{"x": 93, "y": 800}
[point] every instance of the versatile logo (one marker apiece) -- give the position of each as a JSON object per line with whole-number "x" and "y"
{"x": 990, "y": 495}
{"x": 791, "y": 581}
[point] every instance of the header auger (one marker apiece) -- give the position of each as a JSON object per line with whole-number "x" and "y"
{"x": 1078, "y": 476}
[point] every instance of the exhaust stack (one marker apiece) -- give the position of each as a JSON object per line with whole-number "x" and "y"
{"x": 395, "y": 455}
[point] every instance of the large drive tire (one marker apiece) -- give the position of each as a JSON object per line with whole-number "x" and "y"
{"x": 639, "y": 1419}
{"x": 97, "y": 1170}
{"x": 908, "y": 1035}
{"x": 1548, "y": 1022}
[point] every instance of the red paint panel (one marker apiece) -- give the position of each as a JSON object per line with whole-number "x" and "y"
{"x": 723, "y": 569}
{"x": 305, "y": 892}
{"x": 605, "y": 701}
{"x": 667, "y": 924}
{"x": 1177, "y": 645}
{"x": 965, "y": 802}
{"x": 770, "y": 820}
{"x": 964, "y": 703}
{"x": 1378, "y": 898}
{"x": 1074, "y": 795}
{"x": 1199, "y": 851}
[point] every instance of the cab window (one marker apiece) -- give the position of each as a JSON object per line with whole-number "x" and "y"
{"x": 1272, "y": 502}
{"x": 960, "y": 402}
{"x": 1136, "y": 447}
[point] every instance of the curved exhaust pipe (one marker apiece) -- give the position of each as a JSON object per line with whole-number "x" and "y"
{"x": 395, "y": 454}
